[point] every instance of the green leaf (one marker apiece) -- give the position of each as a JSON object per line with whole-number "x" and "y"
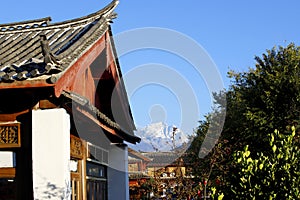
{"x": 247, "y": 154}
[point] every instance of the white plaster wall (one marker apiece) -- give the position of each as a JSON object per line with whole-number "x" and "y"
{"x": 118, "y": 183}
{"x": 51, "y": 154}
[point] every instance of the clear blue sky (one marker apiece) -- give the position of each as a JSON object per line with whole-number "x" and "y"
{"x": 231, "y": 32}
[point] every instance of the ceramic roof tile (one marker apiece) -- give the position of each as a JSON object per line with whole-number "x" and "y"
{"x": 161, "y": 158}
{"x": 21, "y": 52}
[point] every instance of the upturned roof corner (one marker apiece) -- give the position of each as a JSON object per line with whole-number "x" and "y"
{"x": 37, "y": 49}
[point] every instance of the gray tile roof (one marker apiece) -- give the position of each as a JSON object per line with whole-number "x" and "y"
{"x": 162, "y": 158}
{"x": 82, "y": 101}
{"x": 37, "y": 49}
{"x": 135, "y": 155}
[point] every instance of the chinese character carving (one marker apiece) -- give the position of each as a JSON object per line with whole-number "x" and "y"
{"x": 76, "y": 147}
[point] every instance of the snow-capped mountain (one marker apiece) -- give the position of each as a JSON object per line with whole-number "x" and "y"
{"x": 159, "y": 137}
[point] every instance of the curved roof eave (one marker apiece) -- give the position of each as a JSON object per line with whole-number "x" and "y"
{"x": 21, "y": 53}
{"x": 44, "y": 23}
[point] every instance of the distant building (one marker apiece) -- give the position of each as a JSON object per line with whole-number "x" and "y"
{"x": 64, "y": 111}
{"x": 154, "y": 169}
{"x": 137, "y": 171}
{"x": 137, "y": 163}
{"x": 165, "y": 164}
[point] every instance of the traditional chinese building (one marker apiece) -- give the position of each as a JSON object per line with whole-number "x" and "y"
{"x": 137, "y": 163}
{"x": 157, "y": 174}
{"x": 64, "y": 111}
{"x": 137, "y": 171}
{"x": 165, "y": 164}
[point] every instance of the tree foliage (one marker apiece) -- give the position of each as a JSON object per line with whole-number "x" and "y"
{"x": 274, "y": 175}
{"x": 268, "y": 96}
{"x": 265, "y": 98}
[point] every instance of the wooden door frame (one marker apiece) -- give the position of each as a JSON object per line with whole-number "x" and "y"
{"x": 78, "y": 153}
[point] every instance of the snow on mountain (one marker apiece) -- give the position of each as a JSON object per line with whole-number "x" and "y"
{"x": 159, "y": 137}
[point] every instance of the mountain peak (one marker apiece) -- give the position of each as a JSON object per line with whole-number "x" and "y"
{"x": 159, "y": 137}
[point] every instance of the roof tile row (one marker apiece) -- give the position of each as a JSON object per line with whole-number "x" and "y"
{"x": 21, "y": 51}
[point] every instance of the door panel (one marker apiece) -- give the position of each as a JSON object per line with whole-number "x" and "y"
{"x": 96, "y": 190}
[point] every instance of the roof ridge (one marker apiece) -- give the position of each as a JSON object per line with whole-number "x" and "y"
{"x": 25, "y": 24}
{"x": 91, "y": 17}
{"x": 44, "y": 22}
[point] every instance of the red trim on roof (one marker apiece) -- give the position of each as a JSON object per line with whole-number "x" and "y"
{"x": 66, "y": 80}
{"x": 26, "y": 84}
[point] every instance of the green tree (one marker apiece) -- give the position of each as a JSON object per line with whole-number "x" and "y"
{"x": 273, "y": 175}
{"x": 258, "y": 101}
{"x": 267, "y": 96}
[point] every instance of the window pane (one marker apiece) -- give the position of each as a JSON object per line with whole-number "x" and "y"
{"x": 95, "y": 170}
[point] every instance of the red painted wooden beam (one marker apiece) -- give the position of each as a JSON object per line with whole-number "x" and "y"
{"x": 66, "y": 80}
